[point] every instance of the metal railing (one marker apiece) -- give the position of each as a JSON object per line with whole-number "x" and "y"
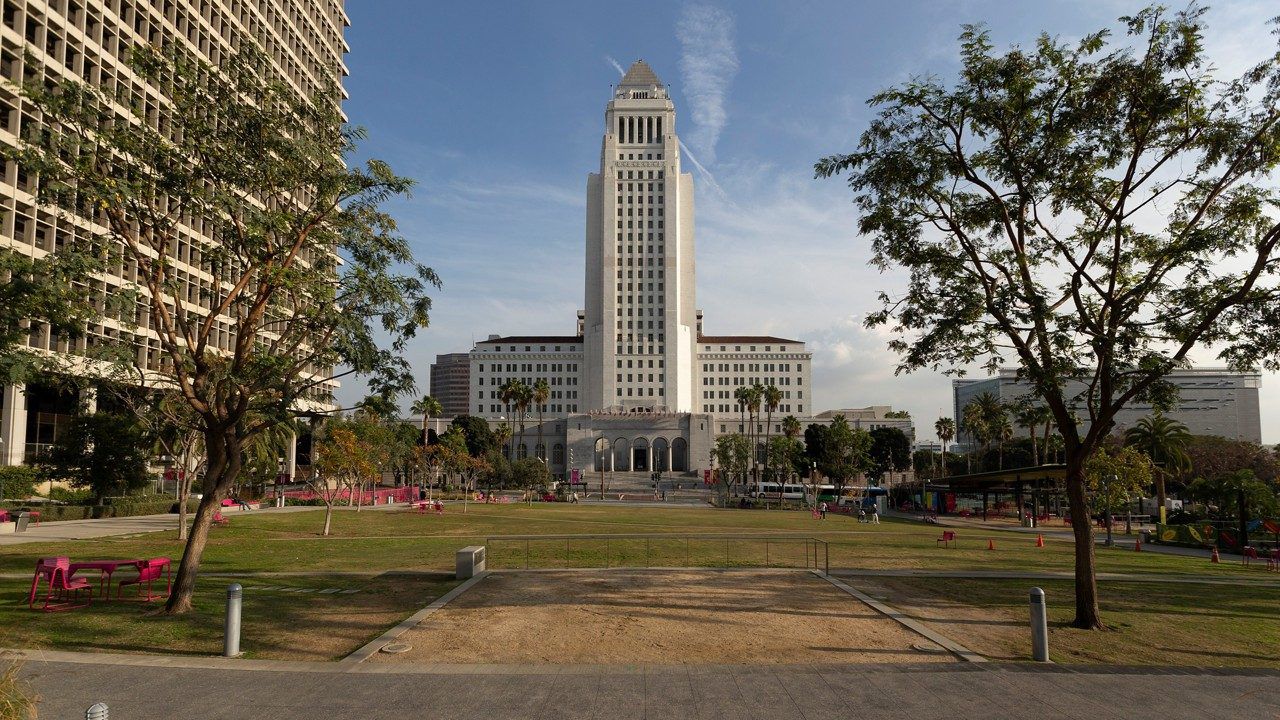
{"x": 656, "y": 550}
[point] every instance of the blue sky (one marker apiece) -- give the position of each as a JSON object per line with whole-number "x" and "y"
{"x": 496, "y": 109}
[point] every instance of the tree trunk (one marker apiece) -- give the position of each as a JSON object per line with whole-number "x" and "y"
{"x": 328, "y": 517}
{"x": 224, "y": 459}
{"x": 1035, "y": 452}
{"x": 1087, "y": 614}
{"x": 1160, "y": 496}
{"x": 184, "y": 492}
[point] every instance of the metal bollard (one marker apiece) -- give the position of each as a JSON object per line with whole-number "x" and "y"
{"x": 231, "y": 630}
{"x": 97, "y": 711}
{"x": 1039, "y": 627}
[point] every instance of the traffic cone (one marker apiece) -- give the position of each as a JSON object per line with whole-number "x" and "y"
{"x": 1039, "y": 540}
{"x": 1214, "y": 557}
{"x": 991, "y": 544}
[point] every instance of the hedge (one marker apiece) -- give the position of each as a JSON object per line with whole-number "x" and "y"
{"x": 17, "y": 481}
{"x": 113, "y": 507}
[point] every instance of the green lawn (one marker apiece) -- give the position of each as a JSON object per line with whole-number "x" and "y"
{"x": 319, "y": 626}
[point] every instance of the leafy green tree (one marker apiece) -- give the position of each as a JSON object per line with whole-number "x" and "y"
{"x": 787, "y": 458}
{"x": 732, "y": 453}
{"x": 1030, "y": 414}
{"x": 1092, "y": 210}
{"x": 50, "y": 291}
{"x": 1224, "y": 492}
{"x": 103, "y": 452}
{"x": 1164, "y": 440}
{"x": 476, "y": 433}
{"x": 791, "y": 426}
{"x": 1116, "y": 476}
{"x": 1209, "y": 456}
{"x": 17, "y": 482}
{"x": 311, "y": 273}
{"x": 771, "y": 397}
{"x": 890, "y": 450}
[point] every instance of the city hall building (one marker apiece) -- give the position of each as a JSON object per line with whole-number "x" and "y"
{"x": 639, "y": 386}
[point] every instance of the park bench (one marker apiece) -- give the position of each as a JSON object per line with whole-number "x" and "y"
{"x": 948, "y": 538}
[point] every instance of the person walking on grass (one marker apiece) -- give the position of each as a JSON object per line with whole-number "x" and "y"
{"x": 822, "y": 511}
{"x": 862, "y": 514}
{"x": 875, "y": 514}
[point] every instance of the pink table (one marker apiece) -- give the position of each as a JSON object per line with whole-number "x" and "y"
{"x": 105, "y": 569}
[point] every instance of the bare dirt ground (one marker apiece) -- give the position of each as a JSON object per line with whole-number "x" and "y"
{"x": 647, "y": 616}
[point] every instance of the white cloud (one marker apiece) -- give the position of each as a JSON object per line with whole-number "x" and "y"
{"x": 708, "y": 63}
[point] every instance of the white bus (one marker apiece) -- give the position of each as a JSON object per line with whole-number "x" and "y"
{"x": 790, "y": 491}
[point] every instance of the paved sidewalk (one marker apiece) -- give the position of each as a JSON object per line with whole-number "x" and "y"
{"x": 110, "y": 527}
{"x": 212, "y": 688}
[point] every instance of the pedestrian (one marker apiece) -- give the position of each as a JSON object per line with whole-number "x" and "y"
{"x": 243, "y": 505}
{"x": 573, "y": 499}
{"x": 822, "y": 511}
{"x": 875, "y": 515}
{"x": 862, "y": 514}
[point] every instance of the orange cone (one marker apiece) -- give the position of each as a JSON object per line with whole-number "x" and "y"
{"x": 1039, "y": 540}
{"x": 1214, "y": 557}
{"x": 991, "y": 544}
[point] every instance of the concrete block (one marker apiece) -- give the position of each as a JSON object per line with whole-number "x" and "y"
{"x": 8, "y": 528}
{"x": 470, "y": 561}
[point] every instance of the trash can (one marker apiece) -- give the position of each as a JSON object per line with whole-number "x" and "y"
{"x": 23, "y": 519}
{"x": 1145, "y": 535}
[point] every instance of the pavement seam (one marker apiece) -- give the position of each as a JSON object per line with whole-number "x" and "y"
{"x": 953, "y": 647}
{"x": 410, "y": 622}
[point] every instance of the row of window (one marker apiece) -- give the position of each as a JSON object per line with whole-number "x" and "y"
{"x": 529, "y": 348}
{"x": 725, "y": 394}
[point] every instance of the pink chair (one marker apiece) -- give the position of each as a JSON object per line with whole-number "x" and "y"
{"x": 948, "y": 538}
{"x": 149, "y": 572}
{"x": 55, "y": 572}
{"x": 1273, "y": 560}
{"x": 1248, "y": 553}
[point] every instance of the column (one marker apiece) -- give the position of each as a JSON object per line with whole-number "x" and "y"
{"x": 670, "y": 467}
{"x": 13, "y": 425}
{"x": 291, "y": 457}
{"x": 648, "y": 457}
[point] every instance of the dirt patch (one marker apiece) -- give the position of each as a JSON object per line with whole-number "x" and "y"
{"x": 646, "y": 616}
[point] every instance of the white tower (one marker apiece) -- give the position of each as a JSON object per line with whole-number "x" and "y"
{"x": 640, "y": 329}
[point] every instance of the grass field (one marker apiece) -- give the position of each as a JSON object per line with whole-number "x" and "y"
{"x": 379, "y": 543}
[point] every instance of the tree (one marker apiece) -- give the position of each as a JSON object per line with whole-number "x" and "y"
{"x": 478, "y": 436}
{"x": 732, "y": 453}
{"x": 898, "y": 415}
{"x": 523, "y": 399}
{"x": 890, "y": 450}
{"x": 1116, "y": 476}
{"x": 48, "y": 290}
{"x": 310, "y": 271}
{"x": 428, "y": 407}
{"x": 1164, "y": 440}
{"x": 344, "y": 461}
{"x": 946, "y": 429}
{"x": 541, "y": 393}
{"x": 771, "y": 396}
{"x": 974, "y": 422}
{"x": 104, "y": 452}
{"x": 1030, "y": 414}
{"x": 1072, "y": 206}
{"x": 1209, "y": 456}
{"x": 791, "y": 426}
{"x": 754, "y": 397}
{"x": 787, "y": 458}
{"x": 1228, "y": 493}
{"x": 509, "y": 393}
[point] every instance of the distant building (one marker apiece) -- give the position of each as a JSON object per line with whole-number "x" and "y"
{"x": 451, "y": 382}
{"x": 1213, "y": 401}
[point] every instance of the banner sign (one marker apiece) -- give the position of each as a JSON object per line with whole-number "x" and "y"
{"x": 1199, "y": 535}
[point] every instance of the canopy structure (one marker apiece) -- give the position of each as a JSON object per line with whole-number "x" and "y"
{"x": 1038, "y": 483}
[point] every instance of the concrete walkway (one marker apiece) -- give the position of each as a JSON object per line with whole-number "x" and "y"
{"x": 142, "y": 688}
{"x": 110, "y": 527}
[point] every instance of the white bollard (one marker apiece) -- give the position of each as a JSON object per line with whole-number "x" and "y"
{"x": 231, "y": 630}
{"x": 97, "y": 711}
{"x": 1039, "y": 627}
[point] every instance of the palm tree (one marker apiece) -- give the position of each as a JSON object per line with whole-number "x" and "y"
{"x": 1032, "y": 415}
{"x": 1004, "y": 433}
{"x": 974, "y": 423}
{"x": 429, "y": 407}
{"x": 1164, "y": 440}
{"x": 791, "y": 426}
{"x": 507, "y": 394}
{"x": 946, "y": 429}
{"x": 523, "y": 398}
{"x": 755, "y": 396}
{"x": 740, "y": 395}
{"x": 772, "y": 398}
{"x": 541, "y": 393}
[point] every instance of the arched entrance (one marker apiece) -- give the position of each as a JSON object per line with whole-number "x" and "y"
{"x": 661, "y": 455}
{"x": 679, "y": 455}
{"x": 603, "y": 454}
{"x": 640, "y": 455}
{"x": 621, "y": 455}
